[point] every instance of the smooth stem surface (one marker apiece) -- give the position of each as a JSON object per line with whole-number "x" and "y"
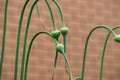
{"x": 29, "y": 49}
{"x": 86, "y": 45}
{"x": 55, "y": 60}
{"x": 64, "y": 40}
{"x": 4, "y": 38}
{"x": 61, "y": 13}
{"x": 52, "y": 15}
{"x": 103, "y": 53}
{"x": 25, "y": 39}
{"x": 63, "y": 22}
{"x": 55, "y": 63}
{"x": 38, "y": 10}
{"x": 68, "y": 66}
{"x": 18, "y": 40}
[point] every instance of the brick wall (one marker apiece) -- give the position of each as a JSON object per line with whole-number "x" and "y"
{"x": 80, "y": 17}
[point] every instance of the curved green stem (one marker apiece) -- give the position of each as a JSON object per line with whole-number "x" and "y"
{"x": 25, "y": 39}
{"x": 103, "y": 53}
{"x": 63, "y": 21}
{"x": 4, "y": 38}
{"x": 61, "y": 13}
{"x": 68, "y": 66}
{"x": 52, "y": 15}
{"x": 86, "y": 45}
{"x": 29, "y": 49}
{"x": 18, "y": 40}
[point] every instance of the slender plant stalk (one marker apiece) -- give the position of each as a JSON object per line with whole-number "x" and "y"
{"x": 55, "y": 28}
{"x": 39, "y": 14}
{"x": 103, "y": 53}
{"x": 29, "y": 49}
{"x": 52, "y": 15}
{"x": 55, "y": 63}
{"x": 86, "y": 45}
{"x": 18, "y": 40}
{"x": 4, "y": 38}
{"x": 68, "y": 66}
{"x": 25, "y": 39}
{"x": 63, "y": 25}
{"x": 63, "y": 21}
{"x": 38, "y": 10}
{"x": 61, "y": 13}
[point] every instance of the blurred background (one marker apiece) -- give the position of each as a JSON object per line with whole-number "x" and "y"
{"x": 80, "y": 17}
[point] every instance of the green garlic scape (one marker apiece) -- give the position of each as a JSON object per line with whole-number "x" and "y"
{"x": 56, "y": 34}
{"x": 117, "y": 38}
{"x": 25, "y": 39}
{"x": 3, "y": 38}
{"x": 60, "y": 48}
{"x": 86, "y": 45}
{"x": 103, "y": 53}
{"x": 64, "y": 31}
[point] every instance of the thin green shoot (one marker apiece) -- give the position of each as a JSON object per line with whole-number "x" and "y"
{"x": 86, "y": 45}
{"x": 29, "y": 49}
{"x": 4, "y": 38}
{"x": 103, "y": 53}
{"x": 52, "y": 15}
{"x": 25, "y": 39}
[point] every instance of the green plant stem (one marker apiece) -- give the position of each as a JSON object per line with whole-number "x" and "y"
{"x": 103, "y": 53}
{"x": 18, "y": 40}
{"x": 64, "y": 40}
{"x": 29, "y": 49}
{"x": 63, "y": 22}
{"x": 61, "y": 13}
{"x": 39, "y": 14}
{"x": 38, "y": 10}
{"x": 25, "y": 39}
{"x": 55, "y": 63}
{"x": 86, "y": 45}
{"x": 68, "y": 66}
{"x": 55, "y": 60}
{"x": 4, "y": 38}
{"x": 52, "y": 15}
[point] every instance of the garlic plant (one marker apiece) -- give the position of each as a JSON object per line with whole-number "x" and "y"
{"x": 60, "y": 48}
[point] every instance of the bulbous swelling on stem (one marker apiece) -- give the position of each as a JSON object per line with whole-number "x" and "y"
{"x": 103, "y": 53}
{"x": 60, "y": 47}
{"x": 117, "y": 38}
{"x": 29, "y": 49}
{"x": 64, "y": 31}
{"x": 86, "y": 45}
{"x": 56, "y": 34}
